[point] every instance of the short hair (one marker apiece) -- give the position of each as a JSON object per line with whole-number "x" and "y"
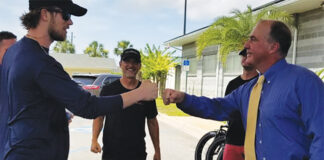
{"x": 280, "y": 33}
{"x": 6, "y": 35}
{"x": 30, "y": 20}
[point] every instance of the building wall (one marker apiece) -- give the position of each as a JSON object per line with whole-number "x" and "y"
{"x": 310, "y": 44}
{"x": 72, "y": 71}
{"x": 309, "y": 53}
{"x": 202, "y": 79}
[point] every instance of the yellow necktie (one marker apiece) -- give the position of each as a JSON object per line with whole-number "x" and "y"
{"x": 249, "y": 143}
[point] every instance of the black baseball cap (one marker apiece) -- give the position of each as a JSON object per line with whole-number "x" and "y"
{"x": 65, "y": 5}
{"x": 243, "y": 52}
{"x": 131, "y": 53}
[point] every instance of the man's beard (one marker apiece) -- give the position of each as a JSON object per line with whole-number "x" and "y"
{"x": 55, "y": 35}
{"x": 248, "y": 68}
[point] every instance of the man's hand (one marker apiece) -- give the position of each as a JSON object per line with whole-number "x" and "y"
{"x": 95, "y": 147}
{"x": 148, "y": 90}
{"x": 172, "y": 96}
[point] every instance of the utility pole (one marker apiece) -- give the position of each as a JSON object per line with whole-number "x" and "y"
{"x": 185, "y": 18}
{"x": 71, "y": 37}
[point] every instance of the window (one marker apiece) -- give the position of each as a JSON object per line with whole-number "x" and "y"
{"x": 193, "y": 66}
{"x": 109, "y": 80}
{"x": 233, "y": 63}
{"x": 209, "y": 64}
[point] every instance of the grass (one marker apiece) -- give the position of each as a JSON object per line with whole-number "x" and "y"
{"x": 170, "y": 110}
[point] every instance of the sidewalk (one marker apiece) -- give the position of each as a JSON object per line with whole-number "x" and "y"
{"x": 194, "y": 126}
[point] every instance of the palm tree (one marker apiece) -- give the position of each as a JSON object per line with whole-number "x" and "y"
{"x": 230, "y": 33}
{"x": 156, "y": 64}
{"x": 64, "y": 47}
{"x": 121, "y": 46}
{"x": 320, "y": 73}
{"x": 96, "y": 50}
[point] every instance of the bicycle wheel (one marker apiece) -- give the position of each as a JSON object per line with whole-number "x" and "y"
{"x": 201, "y": 143}
{"x": 216, "y": 149}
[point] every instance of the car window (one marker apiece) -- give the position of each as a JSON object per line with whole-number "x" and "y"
{"x": 99, "y": 80}
{"x": 109, "y": 80}
{"x": 84, "y": 80}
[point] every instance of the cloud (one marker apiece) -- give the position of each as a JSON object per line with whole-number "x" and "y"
{"x": 197, "y": 10}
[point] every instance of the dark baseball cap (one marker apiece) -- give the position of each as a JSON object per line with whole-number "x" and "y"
{"x": 131, "y": 53}
{"x": 65, "y": 5}
{"x": 243, "y": 52}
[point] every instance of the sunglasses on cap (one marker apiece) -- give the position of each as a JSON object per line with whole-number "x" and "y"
{"x": 65, "y": 15}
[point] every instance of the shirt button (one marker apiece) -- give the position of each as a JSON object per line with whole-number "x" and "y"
{"x": 268, "y": 82}
{"x": 260, "y": 142}
{"x": 263, "y": 158}
{"x": 259, "y": 124}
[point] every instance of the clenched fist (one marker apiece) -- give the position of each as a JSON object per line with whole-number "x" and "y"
{"x": 95, "y": 147}
{"x": 172, "y": 96}
{"x": 148, "y": 91}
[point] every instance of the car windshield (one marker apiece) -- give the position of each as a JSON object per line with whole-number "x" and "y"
{"x": 84, "y": 80}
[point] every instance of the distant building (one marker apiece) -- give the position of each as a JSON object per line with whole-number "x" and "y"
{"x": 82, "y": 63}
{"x": 207, "y": 76}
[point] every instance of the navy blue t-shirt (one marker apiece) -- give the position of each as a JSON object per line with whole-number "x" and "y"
{"x": 0, "y": 73}
{"x": 34, "y": 92}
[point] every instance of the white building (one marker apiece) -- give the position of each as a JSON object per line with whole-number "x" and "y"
{"x": 207, "y": 77}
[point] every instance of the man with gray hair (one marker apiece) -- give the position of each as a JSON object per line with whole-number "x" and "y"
{"x": 282, "y": 110}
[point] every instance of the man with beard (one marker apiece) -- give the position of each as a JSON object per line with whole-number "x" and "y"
{"x": 234, "y": 147}
{"x": 35, "y": 89}
{"x": 124, "y": 132}
{"x": 282, "y": 110}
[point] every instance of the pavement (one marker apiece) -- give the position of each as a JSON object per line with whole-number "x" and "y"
{"x": 194, "y": 126}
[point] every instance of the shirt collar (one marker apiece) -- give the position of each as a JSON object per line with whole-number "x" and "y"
{"x": 274, "y": 69}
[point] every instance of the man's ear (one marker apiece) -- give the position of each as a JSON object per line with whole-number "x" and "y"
{"x": 274, "y": 48}
{"x": 45, "y": 15}
{"x": 120, "y": 63}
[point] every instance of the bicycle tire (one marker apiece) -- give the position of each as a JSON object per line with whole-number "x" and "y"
{"x": 216, "y": 149}
{"x": 201, "y": 143}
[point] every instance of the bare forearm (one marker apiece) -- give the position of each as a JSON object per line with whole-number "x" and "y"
{"x": 96, "y": 127}
{"x": 130, "y": 98}
{"x": 153, "y": 127}
{"x": 146, "y": 92}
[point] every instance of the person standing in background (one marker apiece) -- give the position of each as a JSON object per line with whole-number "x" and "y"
{"x": 124, "y": 132}
{"x": 234, "y": 147}
{"x": 6, "y": 40}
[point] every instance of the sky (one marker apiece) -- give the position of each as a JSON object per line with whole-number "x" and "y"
{"x": 139, "y": 21}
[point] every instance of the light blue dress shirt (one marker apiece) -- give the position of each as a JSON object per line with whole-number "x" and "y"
{"x": 290, "y": 121}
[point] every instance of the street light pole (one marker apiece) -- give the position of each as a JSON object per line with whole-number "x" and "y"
{"x": 185, "y": 18}
{"x": 71, "y": 37}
